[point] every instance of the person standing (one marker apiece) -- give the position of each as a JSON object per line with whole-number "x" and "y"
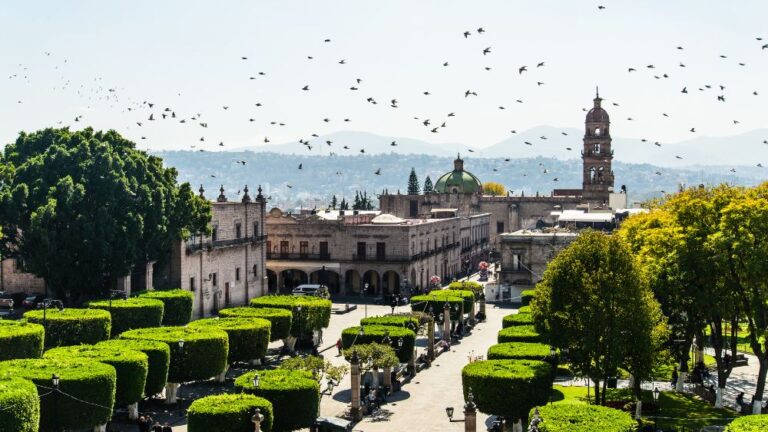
{"x": 167, "y": 428}
{"x": 339, "y": 346}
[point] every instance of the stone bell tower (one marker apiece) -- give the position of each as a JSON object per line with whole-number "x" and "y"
{"x": 597, "y": 156}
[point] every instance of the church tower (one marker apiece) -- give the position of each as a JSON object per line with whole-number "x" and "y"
{"x": 597, "y": 156}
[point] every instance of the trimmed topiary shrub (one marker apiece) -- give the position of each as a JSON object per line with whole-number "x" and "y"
{"x": 91, "y": 383}
{"x": 315, "y": 312}
{"x": 203, "y": 356}
{"x": 376, "y": 333}
{"x": 406, "y": 321}
{"x": 19, "y": 339}
{"x": 280, "y": 318}
{"x": 158, "y": 357}
{"x": 526, "y": 296}
{"x": 524, "y": 310}
{"x": 294, "y": 394}
{"x": 248, "y": 337}
{"x": 228, "y": 413}
{"x": 130, "y": 366}
{"x": 476, "y": 287}
{"x": 19, "y": 405}
{"x": 519, "y": 350}
{"x": 72, "y": 326}
{"x": 521, "y": 333}
{"x": 750, "y": 423}
{"x": 177, "y": 305}
{"x": 517, "y": 320}
{"x": 132, "y": 313}
{"x": 466, "y": 295}
{"x": 574, "y": 417}
{"x": 508, "y": 388}
{"x": 434, "y": 303}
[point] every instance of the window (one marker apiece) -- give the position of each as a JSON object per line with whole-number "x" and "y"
{"x": 269, "y": 247}
{"x": 324, "y": 250}
{"x": 238, "y": 231}
{"x": 214, "y": 233}
{"x": 237, "y": 274}
{"x": 516, "y": 264}
{"x": 499, "y": 227}
{"x": 255, "y": 229}
{"x": 413, "y": 210}
{"x": 361, "y": 250}
{"x": 226, "y": 294}
{"x": 255, "y": 269}
{"x": 592, "y": 175}
{"x": 303, "y": 246}
{"x": 192, "y": 284}
{"x": 381, "y": 250}
{"x": 284, "y": 249}
{"x": 213, "y": 279}
{"x": 597, "y": 147}
{"x": 597, "y": 132}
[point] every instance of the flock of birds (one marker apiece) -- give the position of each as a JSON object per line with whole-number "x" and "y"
{"x": 149, "y": 113}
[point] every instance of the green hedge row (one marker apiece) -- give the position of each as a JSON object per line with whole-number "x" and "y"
{"x": 508, "y": 388}
{"x": 228, "y": 413}
{"x": 476, "y": 287}
{"x": 203, "y": 356}
{"x": 524, "y": 310}
{"x": 280, "y": 318}
{"x": 19, "y": 405}
{"x": 86, "y": 380}
{"x": 406, "y": 321}
{"x": 517, "y": 320}
{"x": 466, "y": 295}
{"x": 519, "y": 350}
{"x": 248, "y": 337}
{"x": 131, "y": 367}
{"x": 750, "y": 423}
{"x": 131, "y": 313}
{"x": 376, "y": 333}
{"x": 526, "y": 296}
{"x": 72, "y": 326}
{"x": 574, "y": 417}
{"x": 158, "y": 357}
{"x": 177, "y": 305}
{"x": 294, "y": 394}
{"x": 20, "y": 339}
{"x": 315, "y": 312}
{"x": 521, "y": 333}
{"x": 435, "y": 304}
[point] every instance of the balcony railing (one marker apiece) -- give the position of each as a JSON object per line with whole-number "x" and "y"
{"x": 298, "y": 256}
{"x": 381, "y": 258}
{"x": 218, "y": 244}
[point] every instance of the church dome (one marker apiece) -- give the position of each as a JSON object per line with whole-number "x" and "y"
{"x": 597, "y": 114}
{"x": 458, "y": 180}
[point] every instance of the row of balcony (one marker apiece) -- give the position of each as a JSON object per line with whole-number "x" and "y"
{"x": 375, "y": 257}
{"x": 194, "y": 247}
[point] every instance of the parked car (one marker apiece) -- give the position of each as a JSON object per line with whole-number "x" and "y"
{"x": 32, "y": 301}
{"x": 312, "y": 290}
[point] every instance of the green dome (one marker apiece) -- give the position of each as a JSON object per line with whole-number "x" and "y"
{"x": 458, "y": 180}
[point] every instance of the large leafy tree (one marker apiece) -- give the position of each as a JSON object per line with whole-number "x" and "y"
{"x": 81, "y": 208}
{"x": 494, "y": 189}
{"x": 594, "y": 301}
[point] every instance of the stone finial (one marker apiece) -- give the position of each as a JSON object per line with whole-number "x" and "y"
{"x": 246, "y": 197}
{"x": 259, "y": 195}
{"x": 221, "y": 197}
{"x": 202, "y": 191}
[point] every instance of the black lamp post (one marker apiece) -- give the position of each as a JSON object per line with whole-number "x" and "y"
{"x": 181, "y": 391}
{"x": 256, "y": 381}
{"x": 656, "y": 393}
{"x": 55, "y": 385}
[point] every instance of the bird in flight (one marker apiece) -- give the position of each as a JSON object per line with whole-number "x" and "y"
{"x": 522, "y": 69}
{"x": 378, "y": 171}
{"x": 487, "y": 51}
{"x": 305, "y": 88}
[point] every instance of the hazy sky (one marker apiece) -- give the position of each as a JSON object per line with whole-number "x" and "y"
{"x": 96, "y": 59}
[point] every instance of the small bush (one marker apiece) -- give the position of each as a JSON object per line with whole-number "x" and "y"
{"x": 91, "y": 383}
{"x": 526, "y": 296}
{"x": 376, "y": 333}
{"x": 476, "y": 287}
{"x": 158, "y": 357}
{"x": 315, "y": 312}
{"x": 750, "y": 423}
{"x": 421, "y": 317}
{"x": 382, "y": 356}
{"x": 177, "y": 305}
{"x": 131, "y": 367}
{"x": 436, "y": 304}
{"x": 203, "y": 356}
{"x": 519, "y": 351}
{"x": 228, "y": 413}
{"x": 248, "y": 337}
{"x": 521, "y": 333}
{"x": 19, "y": 339}
{"x": 508, "y": 388}
{"x": 19, "y": 405}
{"x": 132, "y": 313}
{"x": 72, "y": 326}
{"x": 573, "y": 417}
{"x": 466, "y": 295}
{"x": 280, "y": 319}
{"x": 295, "y": 396}
{"x": 405, "y": 321}
{"x": 524, "y": 310}
{"x": 517, "y": 319}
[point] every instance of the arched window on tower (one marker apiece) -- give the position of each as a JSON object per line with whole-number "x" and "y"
{"x": 597, "y": 131}
{"x": 592, "y": 175}
{"x": 597, "y": 147}
{"x": 600, "y": 172}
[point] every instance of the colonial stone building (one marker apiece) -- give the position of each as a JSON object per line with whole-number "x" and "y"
{"x": 348, "y": 251}
{"x": 526, "y": 253}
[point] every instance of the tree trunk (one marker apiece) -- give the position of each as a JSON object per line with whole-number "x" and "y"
{"x": 605, "y": 382}
{"x": 637, "y": 390}
{"x": 597, "y": 392}
{"x": 757, "y": 400}
{"x": 719, "y": 397}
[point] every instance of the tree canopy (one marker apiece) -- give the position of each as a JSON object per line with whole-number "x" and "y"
{"x": 413, "y": 183}
{"x": 494, "y": 189}
{"x": 428, "y": 185}
{"x": 81, "y": 208}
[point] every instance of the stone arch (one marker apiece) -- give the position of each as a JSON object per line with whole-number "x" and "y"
{"x": 390, "y": 283}
{"x": 271, "y": 281}
{"x": 291, "y": 279}
{"x": 352, "y": 282}
{"x": 371, "y": 277}
{"x": 326, "y": 277}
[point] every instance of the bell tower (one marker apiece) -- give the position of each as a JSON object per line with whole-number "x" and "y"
{"x": 597, "y": 155}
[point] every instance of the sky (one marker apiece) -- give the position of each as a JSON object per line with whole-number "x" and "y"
{"x": 103, "y": 63}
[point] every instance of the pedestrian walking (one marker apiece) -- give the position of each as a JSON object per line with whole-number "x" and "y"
{"x": 143, "y": 424}
{"x": 167, "y": 428}
{"x": 338, "y": 347}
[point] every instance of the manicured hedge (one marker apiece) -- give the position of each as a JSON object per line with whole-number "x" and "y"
{"x": 526, "y": 296}
{"x": 19, "y": 405}
{"x": 376, "y": 333}
{"x": 131, "y": 367}
{"x": 294, "y": 394}
{"x": 177, "y": 305}
{"x": 422, "y": 303}
{"x": 750, "y": 423}
{"x": 574, "y": 417}
{"x": 248, "y": 337}
{"x": 524, "y": 310}
{"x": 508, "y": 388}
{"x": 20, "y": 339}
{"x": 85, "y": 380}
{"x": 132, "y": 313}
{"x": 158, "y": 356}
{"x": 521, "y": 333}
{"x": 72, "y": 326}
{"x": 476, "y": 287}
{"x": 406, "y": 321}
{"x": 315, "y": 312}
{"x": 280, "y": 318}
{"x": 204, "y": 354}
{"x": 519, "y": 350}
{"x": 228, "y": 413}
{"x": 517, "y": 319}
{"x": 466, "y": 295}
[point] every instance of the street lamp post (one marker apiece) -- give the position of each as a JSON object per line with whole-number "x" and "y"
{"x": 181, "y": 391}
{"x": 55, "y": 385}
{"x": 366, "y": 303}
{"x": 658, "y": 408}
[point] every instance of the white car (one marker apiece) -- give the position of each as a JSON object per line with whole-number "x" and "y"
{"x": 311, "y": 290}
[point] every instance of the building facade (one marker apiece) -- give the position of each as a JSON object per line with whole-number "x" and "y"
{"x": 525, "y": 254}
